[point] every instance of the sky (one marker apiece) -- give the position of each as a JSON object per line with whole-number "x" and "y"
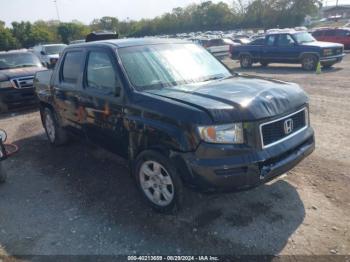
{"x": 86, "y": 10}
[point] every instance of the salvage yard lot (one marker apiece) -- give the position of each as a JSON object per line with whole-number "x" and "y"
{"x": 81, "y": 200}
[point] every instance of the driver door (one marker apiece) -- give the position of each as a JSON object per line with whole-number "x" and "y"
{"x": 287, "y": 50}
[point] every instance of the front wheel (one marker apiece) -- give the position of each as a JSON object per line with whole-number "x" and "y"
{"x": 55, "y": 133}
{"x": 309, "y": 62}
{"x": 158, "y": 181}
{"x": 246, "y": 61}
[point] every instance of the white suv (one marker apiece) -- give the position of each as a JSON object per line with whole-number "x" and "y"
{"x": 48, "y": 54}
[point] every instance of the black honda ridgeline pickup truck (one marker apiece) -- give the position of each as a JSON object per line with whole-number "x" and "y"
{"x": 177, "y": 114}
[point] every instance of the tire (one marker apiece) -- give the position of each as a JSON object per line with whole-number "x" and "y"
{"x": 309, "y": 62}
{"x": 3, "y": 174}
{"x": 246, "y": 61}
{"x": 155, "y": 173}
{"x": 264, "y": 64}
{"x": 56, "y": 135}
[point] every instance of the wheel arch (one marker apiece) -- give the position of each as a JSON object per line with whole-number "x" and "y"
{"x": 302, "y": 55}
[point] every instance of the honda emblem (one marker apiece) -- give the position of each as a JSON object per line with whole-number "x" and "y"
{"x": 288, "y": 126}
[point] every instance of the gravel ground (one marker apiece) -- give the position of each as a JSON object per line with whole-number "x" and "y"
{"x": 79, "y": 200}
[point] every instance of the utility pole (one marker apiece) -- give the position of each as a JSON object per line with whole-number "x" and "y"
{"x": 58, "y": 14}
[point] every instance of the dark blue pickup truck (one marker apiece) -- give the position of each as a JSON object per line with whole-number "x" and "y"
{"x": 290, "y": 46}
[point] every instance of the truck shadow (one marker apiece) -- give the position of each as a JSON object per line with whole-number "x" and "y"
{"x": 82, "y": 200}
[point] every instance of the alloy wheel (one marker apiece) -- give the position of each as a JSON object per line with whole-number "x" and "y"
{"x": 156, "y": 183}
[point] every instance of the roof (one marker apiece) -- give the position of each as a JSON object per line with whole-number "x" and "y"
{"x": 128, "y": 42}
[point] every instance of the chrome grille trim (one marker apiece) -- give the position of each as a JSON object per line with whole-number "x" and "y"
{"x": 23, "y": 82}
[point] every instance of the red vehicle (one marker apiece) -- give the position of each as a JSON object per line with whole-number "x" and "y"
{"x": 336, "y": 35}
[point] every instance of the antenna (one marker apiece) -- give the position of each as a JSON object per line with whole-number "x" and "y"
{"x": 58, "y": 14}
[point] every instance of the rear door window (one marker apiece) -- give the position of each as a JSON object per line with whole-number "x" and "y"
{"x": 271, "y": 40}
{"x": 71, "y": 69}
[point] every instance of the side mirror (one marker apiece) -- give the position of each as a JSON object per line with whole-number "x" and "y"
{"x": 42, "y": 53}
{"x": 3, "y": 135}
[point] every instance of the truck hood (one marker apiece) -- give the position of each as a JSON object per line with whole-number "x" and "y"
{"x": 241, "y": 98}
{"x": 19, "y": 72}
{"x": 323, "y": 44}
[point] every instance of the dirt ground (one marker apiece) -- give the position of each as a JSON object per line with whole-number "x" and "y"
{"x": 81, "y": 200}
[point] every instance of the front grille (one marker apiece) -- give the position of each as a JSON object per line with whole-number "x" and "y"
{"x": 23, "y": 82}
{"x": 338, "y": 51}
{"x": 332, "y": 51}
{"x": 277, "y": 130}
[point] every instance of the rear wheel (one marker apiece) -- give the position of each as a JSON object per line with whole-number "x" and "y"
{"x": 246, "y": 61}
{"x": 309, "y": 62}
{"x": 158, "y": 181}
{"x": 55, "y": 133}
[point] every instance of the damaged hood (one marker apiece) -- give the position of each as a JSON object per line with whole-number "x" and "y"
{"x": 8, "y": 74}
{"x": 241, "y": 98}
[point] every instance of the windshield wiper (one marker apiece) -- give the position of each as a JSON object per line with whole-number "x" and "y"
{"x": 217, "y": 78}
{"x": 212, "y": 78}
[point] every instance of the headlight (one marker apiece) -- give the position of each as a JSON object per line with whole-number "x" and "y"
{"x": 327, "y": 52}
{"x": 6, "y": 84}
{"x": 222, "y": 134}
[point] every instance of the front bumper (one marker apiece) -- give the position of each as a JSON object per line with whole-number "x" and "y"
{"x": 11, "y": 98}
{"x": 239, "y": 168}
{"x": 332, "y": 59}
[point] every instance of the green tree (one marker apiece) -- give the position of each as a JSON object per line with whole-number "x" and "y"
{"x": 7, "y": 41}
{"x": 72, "y": 31}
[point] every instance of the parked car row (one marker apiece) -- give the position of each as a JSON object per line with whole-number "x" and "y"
{"x": 17, "y": 68}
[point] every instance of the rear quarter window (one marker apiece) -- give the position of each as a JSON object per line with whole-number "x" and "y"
{"x": 259, "y": 41}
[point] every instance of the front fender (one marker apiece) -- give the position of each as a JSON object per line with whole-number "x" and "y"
{"x": 164, "y": 134}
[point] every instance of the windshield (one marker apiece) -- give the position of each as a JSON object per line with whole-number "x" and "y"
{"x": 304, "y": 37}
{"x": 17, "y": 60}
{"x": 166, "y": 65}
{"x": 54, "y": 49}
